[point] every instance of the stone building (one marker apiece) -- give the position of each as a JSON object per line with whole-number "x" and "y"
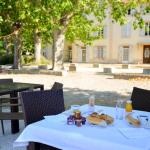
{"x": 120, "y": 44}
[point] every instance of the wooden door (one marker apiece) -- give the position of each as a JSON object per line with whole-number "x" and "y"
{"x": 146, "y": 54}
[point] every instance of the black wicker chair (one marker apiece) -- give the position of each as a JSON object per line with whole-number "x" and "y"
{"x": 57, "y": 86}
{"x": 140, "y": 99}
{"x": 48, "y": 102}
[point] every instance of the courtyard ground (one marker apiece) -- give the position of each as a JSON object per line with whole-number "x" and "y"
{"x": 77, "y": 88}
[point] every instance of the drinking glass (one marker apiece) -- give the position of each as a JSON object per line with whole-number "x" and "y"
{"x": 119, "y": 109}
{"x": 91, "y": 104}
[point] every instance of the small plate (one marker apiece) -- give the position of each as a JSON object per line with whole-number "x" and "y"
{"x": 145, "y": 121}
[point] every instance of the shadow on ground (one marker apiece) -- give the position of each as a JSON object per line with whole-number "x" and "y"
{"x": 80, "y": 96}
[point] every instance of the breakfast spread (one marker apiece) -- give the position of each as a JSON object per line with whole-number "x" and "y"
{"x": 103, "y": 120}
{"x": 100, "y": 119}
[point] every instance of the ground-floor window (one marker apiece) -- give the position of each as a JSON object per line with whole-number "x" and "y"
{"x": 70, "y": 53}
{"x": 125, "y": 54}
{"x": 100, "y": 52}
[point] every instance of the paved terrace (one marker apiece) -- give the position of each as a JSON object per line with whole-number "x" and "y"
{"x": 77, "y": 87}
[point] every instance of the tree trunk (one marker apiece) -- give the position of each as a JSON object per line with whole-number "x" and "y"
{"x": 17, "y": 47}
{"x": 59, "y": 39}
{"x": 37, "y": 46}
{"x": 6, "y": 46}
{"x": 53, "y": 54}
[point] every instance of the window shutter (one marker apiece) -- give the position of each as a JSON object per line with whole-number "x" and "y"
{"x": 128, "y": 30}
{"x": 123, "y": 30}
{"x": 95, "y": 52}
{"x": 104, "y": 53}
{"x": 142, "y": 32}
{"x": 120, "y": 51}
{"x": 79, "y": 54}
{"x": 105, "y": 32}
{"x": 87, "y": 53}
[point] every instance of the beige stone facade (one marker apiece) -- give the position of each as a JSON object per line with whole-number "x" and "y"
{"x": 121, "y": 44}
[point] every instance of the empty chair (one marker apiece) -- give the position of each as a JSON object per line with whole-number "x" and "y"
{"x": 37, "y": 104}
{"x": 57, "y": 85}
{"x": 141, "y": 99}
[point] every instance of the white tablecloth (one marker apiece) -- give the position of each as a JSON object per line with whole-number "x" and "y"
{"x": 57, "y": 133}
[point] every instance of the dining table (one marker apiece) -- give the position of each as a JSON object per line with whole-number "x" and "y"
{"x": 13, "y": 89}
{"x": 55, "y": 131}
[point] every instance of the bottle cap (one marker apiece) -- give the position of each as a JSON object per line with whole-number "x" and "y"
{"x": 129, "y": 101}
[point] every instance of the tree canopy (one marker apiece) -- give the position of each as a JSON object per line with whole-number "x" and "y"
{"x": 75, "y": 19}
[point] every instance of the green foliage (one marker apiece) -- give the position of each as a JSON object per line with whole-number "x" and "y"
{"x": 74, "y": 18}
{"x": 26, "y": 59}
{"x": 6, "y": 59}
{"x": 44, "y": 61}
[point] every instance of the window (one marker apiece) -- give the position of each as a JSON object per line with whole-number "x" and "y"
{"x": 70, "y": 53}
{"x": 126, "y": 30}
{"x": 131, "y": 11}
{"x": 125, "y": 54}
{"x": 147, "y": 53}
{"x": 145, "y": 9}
{"x": 102, "y": 33}
{"x": 100, "y": 52}
{"x": 99, "y": 33}
{"x": 147, "y": 29}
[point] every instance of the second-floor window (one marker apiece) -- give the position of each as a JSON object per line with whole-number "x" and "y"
{"x": 102, "y": 33}
{"x": 147, "y": 29}
{"x": 126, "y": 30}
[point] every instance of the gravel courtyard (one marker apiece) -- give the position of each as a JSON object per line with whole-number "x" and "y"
{"x": 77, "y": 88}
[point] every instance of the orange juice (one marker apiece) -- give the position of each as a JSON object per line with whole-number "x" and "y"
{"x": 128, "y": 106}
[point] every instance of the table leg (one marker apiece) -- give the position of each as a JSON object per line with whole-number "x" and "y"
{"x": 14, "y": 123}
{"x": 42, "y": 88}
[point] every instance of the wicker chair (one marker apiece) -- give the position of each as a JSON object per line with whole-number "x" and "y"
{"x": 48, "y": 102}
{"x": 57, "y": 85}
{"x": 141, "y": 99}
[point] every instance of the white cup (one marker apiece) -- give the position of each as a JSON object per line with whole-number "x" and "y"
{"x": 75, "y": 107}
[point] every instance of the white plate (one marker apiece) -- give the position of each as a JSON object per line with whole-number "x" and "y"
{"x": 145, "y": 121}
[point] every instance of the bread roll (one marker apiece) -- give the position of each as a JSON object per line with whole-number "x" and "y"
{"x": 107, "y": 118}
{"x": 133, "y": 121}
{"x": 96, "y": 121}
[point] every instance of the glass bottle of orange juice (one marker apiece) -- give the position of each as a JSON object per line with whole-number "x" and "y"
{"x": 128, "y": 106}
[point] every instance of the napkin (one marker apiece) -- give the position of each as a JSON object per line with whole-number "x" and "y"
{"x": 132, "y": 133}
